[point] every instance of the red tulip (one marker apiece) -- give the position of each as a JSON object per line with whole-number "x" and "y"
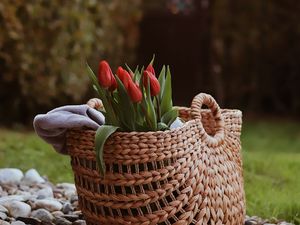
{"x": 105, "y": 76}
{"x": 134, "y": 92}
{"x": 150, "y": 69}
{"x": 124, "y": 76}
{"x": 114, "y": 84}
{"x": 154, "y": 84}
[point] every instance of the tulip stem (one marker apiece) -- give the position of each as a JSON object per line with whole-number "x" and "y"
{"x": 146, "y": 116}
{"x": 158, "y": 108}
{"x": 113, "y": 113}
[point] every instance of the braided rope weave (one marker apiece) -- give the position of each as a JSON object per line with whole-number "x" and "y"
{"x": 188, "y": 175}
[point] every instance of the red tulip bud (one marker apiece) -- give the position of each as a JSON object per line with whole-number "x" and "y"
{"x": 134, "y": 92}
{"x": 114, "y": 84}
{"x": 154, "y": 84}
{"x": 150, "y": 69}
{"x": 105, "y": 76}
{"x": 124, "y": 76}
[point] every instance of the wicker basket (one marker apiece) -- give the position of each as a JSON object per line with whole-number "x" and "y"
{"x": 187, "y": 175}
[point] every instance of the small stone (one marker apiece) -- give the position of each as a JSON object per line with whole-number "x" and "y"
{"x": 58, "y": 190}
{"x": 11, "y": 219}
{"x": 66, "y": 186}
{"x": 79, "y": 222}
{"x": 76, "y": 205}
{"x": 74, "y": 198}
{"x": 12, "y": 190}
{"x": 17, "y": 209}
{"x": 3, "y": 216}
{"x": 61, "y": 221}
{"x": 23, "y": 193}
{"x": 29, "y": 220}
{"x": 58, "y": 195}
{"x": 79, "y": 213}
{"x": 44, "y": 185}
{"x": 68, "y": 189}
{"x": 70, "y": 193}
{"x": 32, "y": 177}
{"x": 45, "y": 193}
{"x": 3, "y": 209}
{"x": 67, "y": 207}
{"x": 251, "y": 222}
{"x": 49, "y": 204}
{"x": 17, "y": 223}
{"x": 10, "y": 176}
{"x": 48, "y": 223}
{"x": 43, "y": 215}
{"x": 57, "y": 213}
{"x": 2, "y": 222}
{"x": 71, "y": 218}
{"x": 10, "y": 198}
{"x": 285, "y": 223}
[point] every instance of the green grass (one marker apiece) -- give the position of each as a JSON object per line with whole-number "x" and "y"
{"x": 271, "y": 155}
{"x": 26, "y": 150}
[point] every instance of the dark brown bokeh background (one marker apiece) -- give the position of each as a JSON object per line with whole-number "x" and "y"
{"x": 245, "y": 53}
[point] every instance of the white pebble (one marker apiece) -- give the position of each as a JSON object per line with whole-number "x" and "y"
{"x": 3, "y": 209}
{"x": 67, "y": 186}
{"x": 49, "y": 204}
{"x": 10, "y": 198}
{"x": 2, "y": 222}
{"x": 32, "y": 177}
{"x": 18, "y": 222}
{"x": 43, "y": 215}
{"x": 18, "y": 209}
{"x": 3, "y": 216}
{"x": 45, "y": 192}
{"x": 10, "y": 176}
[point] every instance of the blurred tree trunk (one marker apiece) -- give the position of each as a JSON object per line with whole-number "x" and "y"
{"x": 215, "y": 62}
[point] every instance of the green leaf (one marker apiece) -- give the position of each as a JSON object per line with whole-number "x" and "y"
{"x": 166, "y": 102}
{"x": 95, "y": 87}
{"x": 170, "y": 116}
{"x": 102, "y": 134}
{"x": 128, "y": 68}
{"x": 94, "y": 79}
{"x": 137, "y": 76}
{"x": 151, "y": 109}
{"x": 128, "y": 113}
{"x": 162, "y": 126}
{"x": 162, "y": 80}
{"x": 152, "y": 60}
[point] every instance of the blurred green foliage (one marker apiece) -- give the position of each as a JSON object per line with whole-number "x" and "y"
{"x": 44, "y": 46}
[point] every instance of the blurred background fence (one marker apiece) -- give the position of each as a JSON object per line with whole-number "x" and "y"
{"x": 245, "y": 53}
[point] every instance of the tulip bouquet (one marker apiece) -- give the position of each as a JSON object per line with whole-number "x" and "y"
{"x": 133, "y": 101}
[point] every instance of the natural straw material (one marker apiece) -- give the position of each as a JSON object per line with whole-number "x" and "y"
{"x": 188, "y": 175}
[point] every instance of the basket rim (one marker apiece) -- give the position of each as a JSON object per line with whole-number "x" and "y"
{"x": 237, "y": 112}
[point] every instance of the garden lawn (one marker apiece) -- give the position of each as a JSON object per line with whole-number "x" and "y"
{"x": 25, "y": 150}
{"x": 271, "y": 155}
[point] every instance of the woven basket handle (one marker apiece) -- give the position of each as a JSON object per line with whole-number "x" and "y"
{"x": 95, "y": 103}
{"x": 210, "y": 102}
